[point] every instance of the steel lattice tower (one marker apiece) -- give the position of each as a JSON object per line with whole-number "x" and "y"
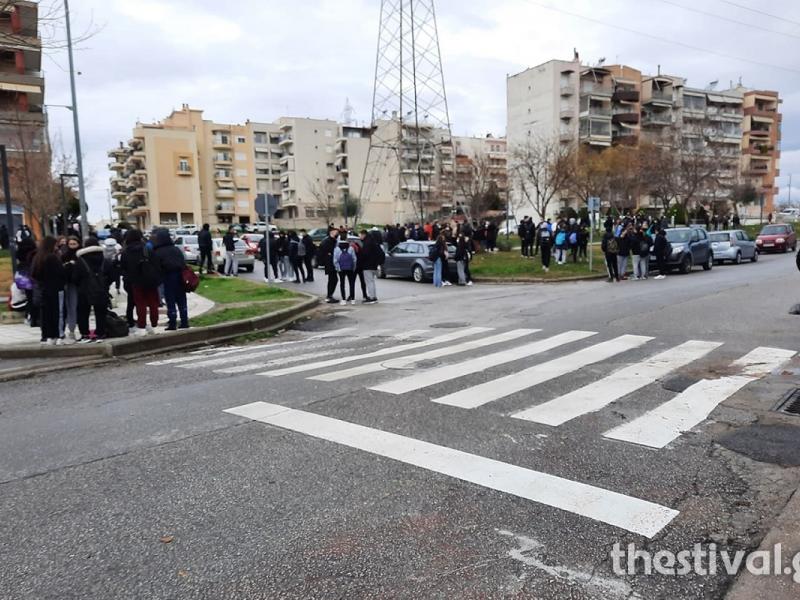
{"x": 411, "y": 143}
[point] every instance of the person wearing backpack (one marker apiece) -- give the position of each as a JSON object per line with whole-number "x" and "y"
{"x": 91, "y": 277}
{"x": 170, "y": 262}
{"x": 296, "y": 258}
{"x": 561, "y": 244}
{"x": 142, "y": 277}
{"x": 231, "y": 268}
{"x": 610, "y": 247}
{"x": 345, "y": 262}
{"x": 641, "y": 253}
{"x": 544, "y": 241}
{"x": 48, "y": 272}
{"x": 572, "y": 239}
{"x": 371, "y": 257}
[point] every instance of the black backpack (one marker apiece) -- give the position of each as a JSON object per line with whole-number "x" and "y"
{"x": 116, "y": 326}
{"x": 149, "y": 273}
{"x": 433, "y": 252}
{"x": 96, "y": 289}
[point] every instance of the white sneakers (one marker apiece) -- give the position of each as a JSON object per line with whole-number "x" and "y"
{"x": 342, "y": 302}
{"x": 446, "y": 283}
{"x": 149, "y": 330}
{"x": 469, "y": 283}
{"x": 661, "y": 276}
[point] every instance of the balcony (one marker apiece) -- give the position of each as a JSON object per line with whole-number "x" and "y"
{"x": 222, "y": 142}
{"x": 566, "y": 136}
{"x": 596, "y": 132}
{"x": 344, "y": 186}
{"x": 626, "y": 96}
{"x": 589, "y": 88}
{"x": 223, "y": 160}
{"x": 566, "y": 113}
{"x": 286, "y": 140}
{"x": 119, "y": 195}
{"x": 760, "y": 133}
{"x": 657, "y": 119}
{"x": 625, "y": 135}
{"x": 225, "y": 193}
{"x": 630, "y": 118}
{"x": 116, "y": 166}
{"x": 567, "y": 89}
{"x": 659, "y": 97}
{"x": 225, "y": 208}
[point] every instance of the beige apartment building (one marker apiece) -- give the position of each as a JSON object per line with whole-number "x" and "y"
{"x": 483, "y": 157}
{"x": 185, "y": 170}
{"x": 601, "y": 106}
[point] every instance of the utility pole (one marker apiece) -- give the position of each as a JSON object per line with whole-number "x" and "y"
{"x": 76, "y": 125}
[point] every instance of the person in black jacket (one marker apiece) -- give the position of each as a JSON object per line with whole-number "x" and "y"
{"x": 325, "y": 259}
{"x": 231, "y": 263}
{"x": 310, "y": 253}
{"x": 170, "y": 262}
{"x": 142, "y": 278}
{"x": 296, "y": 259}
{"x": 369, "y": 259}
{"x": 48, "y": 272}
{"x": 206, "y": 246}
{"x": 273, "y": 256}
{"x": 610, "y": 247}
{"x": 69, "y": 323}
{"x": 662, "y": 250}
{"x": 91, "y": 275}
{"x": 462, "y": 259}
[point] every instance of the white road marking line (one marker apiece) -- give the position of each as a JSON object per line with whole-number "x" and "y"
{"x": 490, "y": 391}
{"x": 626, "y": 512}
{"x": 406, "y": 361}
{"x": 246, "y": 357}
{"x": 595, "y": 396}
{"x": 439, "y": 375}
{"x": 238, "y": 349}
{"x": 275, "y": 363}
{"x": 378, "y": 353}
{"x": 691, "y": 407}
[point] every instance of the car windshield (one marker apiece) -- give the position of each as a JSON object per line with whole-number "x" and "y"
{"x": 720, "y": 237}
{"x": 773, "y": 230}
{"x": 680, "y": 236}
{"x": 189, "y": 239}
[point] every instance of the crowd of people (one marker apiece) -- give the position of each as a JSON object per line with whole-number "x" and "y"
{"x": 61, "y": 281}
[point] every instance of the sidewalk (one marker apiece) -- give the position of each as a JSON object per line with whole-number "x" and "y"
{"x": 21, "y": 334}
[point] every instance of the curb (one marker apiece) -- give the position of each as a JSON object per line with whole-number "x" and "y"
{"x": 538, "y": 279}
{"x": 170, "y": 341}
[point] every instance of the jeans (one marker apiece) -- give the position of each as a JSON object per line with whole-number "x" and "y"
{"x": 349, "y": 277}
{"x": 370, "y": 277}
{"x": 70, "y": 307}
{"x": 231, "y": 263}
{"x": 641, "y": 265}
{"x": 437, "y": 273}
{"x": 561, "y": 255}
{"x": 175, "y": 296}
{"x": 622, "y": 264}
{"x": 286, "y": 268}
{"x": 462, "y": 275}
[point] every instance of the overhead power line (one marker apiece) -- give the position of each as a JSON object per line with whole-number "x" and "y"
{"x": 663, "y": 39}
{"x": 761, "y": 12}
{"x": 729, "y": 20}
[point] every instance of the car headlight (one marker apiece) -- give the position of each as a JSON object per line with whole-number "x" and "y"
{"x": 759, "y": 242}
{"x": 780, "y": 241}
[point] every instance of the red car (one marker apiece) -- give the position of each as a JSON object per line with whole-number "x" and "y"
{"x": 777, "y": 238}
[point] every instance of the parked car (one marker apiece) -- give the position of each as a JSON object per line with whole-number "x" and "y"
{"x": 777, "y": 238}
{"x": 245, "y": 256}
{"x": 319, "y": 234}
{"x": 410, "y": 259}
{"x": 191, "y": 250}
{"x": 690, "y": 247}
{"x": 252, "y": 240}
{"x": 734, "y": 245}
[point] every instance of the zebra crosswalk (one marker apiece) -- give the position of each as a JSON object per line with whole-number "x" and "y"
{"x": 466, "y": 362}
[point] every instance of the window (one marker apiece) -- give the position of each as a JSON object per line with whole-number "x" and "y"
{"x": 262, "y": 156}
{"x": 241, "y": 140}
{"x": 241, "y": 156}
{"x": 259, "y": 137}
{"x": 262, "y": 171}
{"x": 241, "y": 172}
{"x": 184, "y": 166}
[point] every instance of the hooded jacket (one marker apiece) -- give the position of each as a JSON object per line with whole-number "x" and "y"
{"x": 131, "y": 263}
{"x": 167, "y": 256}
{"x": 91, "y": 267}
{"x": 371, "y": 255}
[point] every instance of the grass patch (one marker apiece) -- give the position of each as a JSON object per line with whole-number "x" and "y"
{"x": 230, "y": 290}
{"x": 226, "y": 315}
{"x": 512, "y": 265}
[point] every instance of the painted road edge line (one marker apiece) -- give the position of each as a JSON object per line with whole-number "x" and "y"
{"x": 625, "y": 512}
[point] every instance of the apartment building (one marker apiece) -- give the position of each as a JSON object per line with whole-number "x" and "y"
{"x": 23, "y": 120}
{"x": 484, "y": 157}
{"x": 268, "y": 154}
{"x": 601, "y": 106}
{"x": 185, "y": 170}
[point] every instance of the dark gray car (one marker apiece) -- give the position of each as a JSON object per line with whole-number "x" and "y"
{"x": 410, "y": 259}
{"x": 690, "y": 247}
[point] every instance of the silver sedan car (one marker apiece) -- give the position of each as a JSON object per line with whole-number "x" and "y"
{"x": 734, "y": 245}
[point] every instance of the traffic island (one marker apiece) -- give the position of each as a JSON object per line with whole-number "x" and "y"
{"x": 512, "y": 267}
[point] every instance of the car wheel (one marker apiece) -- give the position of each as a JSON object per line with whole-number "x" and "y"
{"x": 709, "y": 263}
{"x": 738, "y": 260}
{"x": 686, "y": 265}
{"x": 418, "y": 274}
{"x": 755, "y": 257}
{"x": 381, "y": 272}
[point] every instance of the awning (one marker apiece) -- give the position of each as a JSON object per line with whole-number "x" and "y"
{"x": 724, "y": 99}
{"x": 758, "y": 119}
{"x": 20, "y": 87}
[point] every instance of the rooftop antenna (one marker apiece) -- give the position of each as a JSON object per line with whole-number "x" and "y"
{"x": 348, "y": 113}
{"x": 712, "y": 85}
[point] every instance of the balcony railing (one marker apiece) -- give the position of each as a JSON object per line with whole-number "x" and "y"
{"x": 225, "y": 208}
{"x": 659, "y": 119}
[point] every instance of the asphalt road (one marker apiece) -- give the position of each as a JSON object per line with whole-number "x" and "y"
{"x": 131, "y": 481}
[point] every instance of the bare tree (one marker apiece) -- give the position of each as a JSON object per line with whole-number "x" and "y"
{"x": 590, "y": 174}
{"x": 324, "y": 191}
{"x": 476, "y": 183}
{"x": 541, "y": 171}
{"x": 660, "y": 171}
{"x": 50, "y": 28}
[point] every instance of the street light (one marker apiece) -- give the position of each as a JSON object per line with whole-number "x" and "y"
{"x": 76, "y": 124}
{"x": 64, "y": 198}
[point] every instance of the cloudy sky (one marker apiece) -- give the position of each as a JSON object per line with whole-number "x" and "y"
{"x": 262, "y": 59}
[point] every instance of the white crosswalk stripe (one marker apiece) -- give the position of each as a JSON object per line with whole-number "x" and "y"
{"x": 688, "y": 409}
{"x": 596, "y": 396}
{"x": 405, "y": 362}
{"x": 442, "y": 339}
{"x": 626, "y": 512}
{"x": 476, "y": 365}
{"x": 516, "y": 382}
{"x": 274, "y": 363}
